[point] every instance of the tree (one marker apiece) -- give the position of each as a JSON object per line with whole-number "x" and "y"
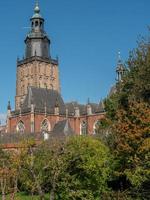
{"x": 74, "y": 167}
{"x": 5, "y": 173}
{"x": 88, "y": 169}
{"x": 128, "y": 111}
{"x": 50, "y": 162}
{"x": 132, "y": 144}
{"x": 31, "y": 175}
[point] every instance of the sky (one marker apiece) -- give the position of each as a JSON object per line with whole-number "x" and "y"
{"x": 86, "y": 36}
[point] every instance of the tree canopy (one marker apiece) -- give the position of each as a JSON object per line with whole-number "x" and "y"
{"x": 128, "y": 114}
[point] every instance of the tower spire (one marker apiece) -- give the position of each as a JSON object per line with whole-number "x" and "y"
{"x": 37, "y": 39}
{"x": 37, "y": 8}
{"x": 120, "y": 69}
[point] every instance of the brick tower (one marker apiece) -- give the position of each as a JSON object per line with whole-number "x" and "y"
{"x": 37, "y": 69}
{"x": 40, "y": 108}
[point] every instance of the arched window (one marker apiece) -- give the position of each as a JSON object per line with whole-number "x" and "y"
{"x": 83, "y": 128}
{"x": 36, "y": 23}
{"x": 95, "y": 127}
{"x": 45, "y": 126}
{"x": 41, "y": 24}
{"x": 20, "y": 127}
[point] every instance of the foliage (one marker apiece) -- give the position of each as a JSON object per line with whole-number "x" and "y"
{"x": 31, "y": 176}
{"x": 23, "y": 196}
{"x": 65, "y": 168}
{"x": 9, "y": 173}
{"x": 129, "y": 112}
{"x": 111, "y": 106}
{"x": 87, "y": 171}
{"x": 132, "y": 145}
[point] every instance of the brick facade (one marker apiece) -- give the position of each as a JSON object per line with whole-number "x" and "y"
{"x": 35, "y": 72}
{"x": 40, "y": 71}
{"x": 75, "y": 122}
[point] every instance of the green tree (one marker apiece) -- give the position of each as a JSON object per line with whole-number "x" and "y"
{"x": 88, "y": 169}
{"x": 31, "y": 175}
{"x": 5, "y": 173}
{"x": 132, "y": 144}
{"x": 129, "y": 112}
{"x": 53, "y": 164}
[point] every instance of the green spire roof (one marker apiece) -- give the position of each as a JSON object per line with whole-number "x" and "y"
{"x": 37, "y": 11}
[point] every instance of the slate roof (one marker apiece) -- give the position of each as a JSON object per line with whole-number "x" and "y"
{"x": 112, "y": 91}
{"x": 72, "y": 105}
{"x": 96, "y": 108}
{"x": 42, "y": 98}
{"x": 101, "y": 107}
{"x": 62, "y": 128}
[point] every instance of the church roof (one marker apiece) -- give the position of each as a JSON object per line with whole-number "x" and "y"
{"x": 72, "y": 105}
{"x": 46, "y": 100}
{"x": 43, "y": 98}
{"x": 96, "y": 108}
{"x": 101, "y": 107}
{"x": 62, "y": 128}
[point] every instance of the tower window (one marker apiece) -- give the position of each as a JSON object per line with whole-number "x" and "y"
{"x": 36, "y": 23}
{"x": 41, "y": 24}
{"x": 32, "y": 24}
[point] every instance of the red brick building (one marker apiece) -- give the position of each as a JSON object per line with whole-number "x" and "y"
{"x": 39, "y": 106}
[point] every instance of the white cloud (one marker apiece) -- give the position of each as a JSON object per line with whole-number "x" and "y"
{"x": 3, "y": 118}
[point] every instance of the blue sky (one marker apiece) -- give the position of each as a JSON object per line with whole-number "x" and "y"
{"x": 85, "y": 34}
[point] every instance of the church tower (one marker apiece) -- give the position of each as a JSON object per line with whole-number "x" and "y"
{"x": 37, "y": 69}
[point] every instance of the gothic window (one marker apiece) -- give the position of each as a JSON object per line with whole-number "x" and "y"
{"x": 83, "y": 128}
{"x": 95, "y": 126}
{"x": 20, "y": 127}
{"x": 45, "y": 126}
